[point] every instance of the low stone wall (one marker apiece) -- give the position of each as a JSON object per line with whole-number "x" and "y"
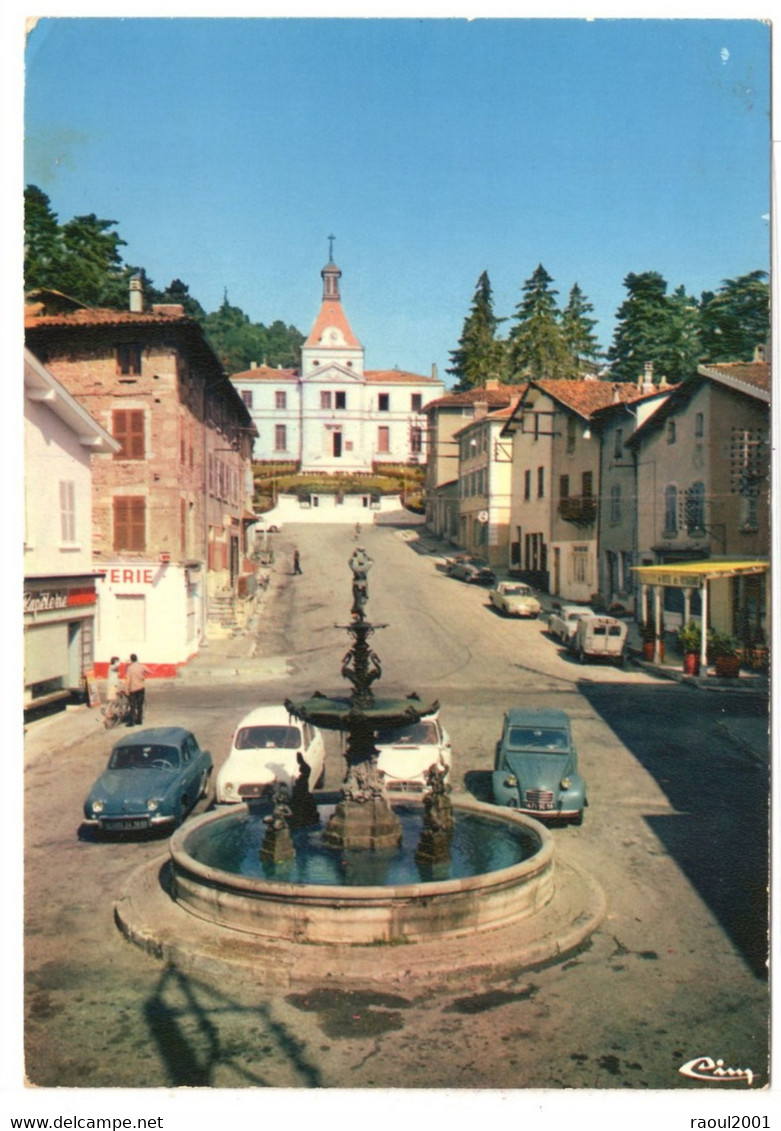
{"x": 367, "y": 915}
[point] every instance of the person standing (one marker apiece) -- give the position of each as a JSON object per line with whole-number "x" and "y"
{"x": 135, "y": 680}
{"x": 112, "y": 680}
{"x": 297, "y": 562}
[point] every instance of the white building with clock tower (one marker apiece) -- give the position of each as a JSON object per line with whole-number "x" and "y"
{"x": 335, "y": 415}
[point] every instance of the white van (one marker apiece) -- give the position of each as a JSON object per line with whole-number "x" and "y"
{"x": 602, "y": 637}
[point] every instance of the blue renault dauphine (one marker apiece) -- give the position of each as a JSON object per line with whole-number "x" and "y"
{"x": 536, "y": 767}
{"x": 153, "y": 779}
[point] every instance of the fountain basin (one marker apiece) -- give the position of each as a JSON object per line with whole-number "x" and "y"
{"x": 365, "y": 915}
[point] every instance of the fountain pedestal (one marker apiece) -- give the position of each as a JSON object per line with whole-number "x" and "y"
{"x": 363, "y": 818}
{"x": 368, "y": 824}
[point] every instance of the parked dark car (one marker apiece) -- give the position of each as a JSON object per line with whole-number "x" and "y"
{"x": 536, "y": 766}
{"x": 153, "y": 779}
{"x": 474, "y": 571}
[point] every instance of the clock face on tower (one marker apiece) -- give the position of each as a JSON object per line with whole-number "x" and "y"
{"x": 332, "y": 336}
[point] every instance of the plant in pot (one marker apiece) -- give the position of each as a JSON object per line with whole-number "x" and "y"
{"x": 648, "y": 637}
{"x": 690, "y": 640}
{"x": 723, "y": 653}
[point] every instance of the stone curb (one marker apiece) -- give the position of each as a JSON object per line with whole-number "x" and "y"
{"x": 146, "y": 915}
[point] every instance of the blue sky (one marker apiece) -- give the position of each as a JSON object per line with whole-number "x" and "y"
{"x": 228, "y": 150}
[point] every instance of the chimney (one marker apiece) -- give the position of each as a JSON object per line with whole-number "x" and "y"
{"x": 492, "y": 383}
{"x": 136, "y": 295}
{"x": 648, "y": 377}
{"x": 434, "y": 374}
{"x": 616, "y": 394}
{"x": 759, "y": 354}
{"x": 481, "y": 408}
{"x": 253, "y": 365}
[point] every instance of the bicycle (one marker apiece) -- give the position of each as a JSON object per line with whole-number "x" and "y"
{"x": 116, "y": 711}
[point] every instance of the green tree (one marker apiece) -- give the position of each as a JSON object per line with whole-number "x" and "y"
{"x": 283, "y": 345}
{"x": 578, "y": 329}
{"x": 42, "y": 241}
{"x": 91, "y": 262}
{"x": 736, "y": 319}
{"x": 640, "y": 327}
{"x": 680, "y": 338}
{"x": 536, "y": 345}
{"x": 179, "y": 292}
{"x": 480, "y": 355}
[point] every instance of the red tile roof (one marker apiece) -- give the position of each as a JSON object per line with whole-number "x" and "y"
{"x": 332, "y": 314}
{"x": 495, "y": 397}
{"x": 755, "y": 374}
{"x": 586, "y": 397}
{"x": 100, "y": 317}
{"x": 265, "y": 373}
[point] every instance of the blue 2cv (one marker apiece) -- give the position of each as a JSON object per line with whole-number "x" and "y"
{"x": 536, "y": 767}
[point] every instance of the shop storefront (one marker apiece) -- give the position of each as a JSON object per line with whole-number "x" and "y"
{"x": 151, "y": 608}
{"x": 59, "y": 635}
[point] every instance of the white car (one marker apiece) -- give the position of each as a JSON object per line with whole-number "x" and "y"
{"x": 265, "y": 749}
{"x": 514, "y": 599}
{"x": 407, "y": 752}
{"x": 563, "y": 623}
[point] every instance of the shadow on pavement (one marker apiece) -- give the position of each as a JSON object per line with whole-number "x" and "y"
{"x": 719, "y": 834}
{"x": 191, "y": 1024}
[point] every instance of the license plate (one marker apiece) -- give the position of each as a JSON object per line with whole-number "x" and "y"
{"x": 125, "y": 824}
{"x": 539, "y": 806}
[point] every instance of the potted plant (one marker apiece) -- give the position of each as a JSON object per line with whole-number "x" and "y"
{"x": 648, "y": 637}
{"x": 690, "y": 640}
{"x": 724, "y": 653}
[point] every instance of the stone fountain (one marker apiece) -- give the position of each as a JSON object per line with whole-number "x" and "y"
{"x": 350, "y": 871}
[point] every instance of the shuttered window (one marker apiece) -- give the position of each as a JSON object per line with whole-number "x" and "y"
{"x": 129, "y": 522}
{"x": 128, "y": 428}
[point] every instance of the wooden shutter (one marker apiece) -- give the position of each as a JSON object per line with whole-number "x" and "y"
{"x": 129, "y": 522}
{"x": 128, "y": 428}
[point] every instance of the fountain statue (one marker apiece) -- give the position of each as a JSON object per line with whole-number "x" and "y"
{"x": 363, "y": 818}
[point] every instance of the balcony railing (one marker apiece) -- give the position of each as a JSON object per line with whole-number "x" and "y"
{"x": 580, "y": 509}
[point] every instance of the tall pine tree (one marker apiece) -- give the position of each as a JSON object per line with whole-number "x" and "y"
{"x": 578, "y": 330}
{"x": 480, "y": 355}
{"x": 535, "y": 344}
{"x": 641, "y": 320}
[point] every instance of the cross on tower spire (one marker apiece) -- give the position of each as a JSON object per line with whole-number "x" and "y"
{"x": 331, "y": 248}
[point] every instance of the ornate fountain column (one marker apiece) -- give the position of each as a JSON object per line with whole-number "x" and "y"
{"x": 363, "y": 818}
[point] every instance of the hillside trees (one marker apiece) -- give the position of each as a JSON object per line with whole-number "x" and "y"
{"x": 82, "y": 259}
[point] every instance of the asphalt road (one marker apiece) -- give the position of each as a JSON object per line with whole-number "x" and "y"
{"x": 674, "y": 833}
